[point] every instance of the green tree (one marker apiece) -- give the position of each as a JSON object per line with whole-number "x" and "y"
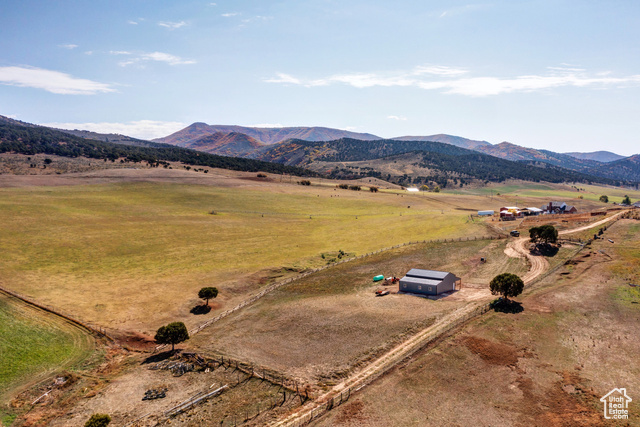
{"x": 626, "y": 200}
{"x": 544, "y": 234}
{"x": 373, "y": 189}
{"x": 507, "y": 285}
{"x": 425, "y": 187}
{"x": 208, "y": 293}
{"x": 173, "y": 333}
{"x": 436, "y": 189}
{"x": 604, "y": 199}
{"x": 98, "y": 420}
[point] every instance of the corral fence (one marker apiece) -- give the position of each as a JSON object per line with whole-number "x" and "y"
{"x": 282, "y": 283}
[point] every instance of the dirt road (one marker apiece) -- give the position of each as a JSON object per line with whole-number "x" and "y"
{"x": 593, "y": 224}
{"x": 515, "y": 248}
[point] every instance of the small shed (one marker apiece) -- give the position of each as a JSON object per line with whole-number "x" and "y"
{"x": 483, "y": 213}
{"x": 428, "y": 282}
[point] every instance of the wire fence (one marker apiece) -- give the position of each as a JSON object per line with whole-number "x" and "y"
{"x": 95, "y": 330}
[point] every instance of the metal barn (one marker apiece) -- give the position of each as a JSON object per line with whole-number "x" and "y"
{"x": 428, "y": 282}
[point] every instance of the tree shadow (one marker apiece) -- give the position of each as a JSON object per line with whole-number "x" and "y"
{"x": 545, "y": 249}
{"x": 502, "y": 305}
{"x": 201, "y": 309}
{"x": 154, "y": 358}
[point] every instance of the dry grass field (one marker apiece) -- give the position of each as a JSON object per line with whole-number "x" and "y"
{"x": 129, "y": 249}
{"x": 547, "y": 366}
{"x": 319, "y": 328}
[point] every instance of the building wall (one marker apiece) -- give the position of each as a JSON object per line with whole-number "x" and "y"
{"x": 445, "y": 285}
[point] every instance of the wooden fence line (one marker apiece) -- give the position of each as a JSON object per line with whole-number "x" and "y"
{"x": 323, "y": 408}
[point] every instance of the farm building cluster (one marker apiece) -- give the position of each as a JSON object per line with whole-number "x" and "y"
{"x": 508, "y": 213}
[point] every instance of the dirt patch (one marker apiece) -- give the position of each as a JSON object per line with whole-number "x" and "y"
{"x": 564, "y": 404}
{"x": 352, "y": 413}
{"x": 492, "y": 352}
{"x": 135, "y": 341}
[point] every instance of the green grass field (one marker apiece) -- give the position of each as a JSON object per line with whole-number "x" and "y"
{"x": 134, "y": 255}
{"x": 554, "y": 191}
{"x": 34, "y": 343}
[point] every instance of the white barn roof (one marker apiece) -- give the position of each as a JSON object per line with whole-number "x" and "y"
{"x": 427, "y": 274}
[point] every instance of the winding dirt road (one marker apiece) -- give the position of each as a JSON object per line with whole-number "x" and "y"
{"x": 537, "y": 264}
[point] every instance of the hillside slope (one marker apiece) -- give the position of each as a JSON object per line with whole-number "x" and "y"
{"x": 447, "y": 161}
{"x": 458, "y": 141}
{"x": 598, "y": 156}
{"x": 264, "y": 135}
{"x": 31, "y": 139}
{"x": 226, "y": 144}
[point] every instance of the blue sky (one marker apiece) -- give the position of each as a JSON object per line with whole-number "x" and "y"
{"x": 558, "y": 75}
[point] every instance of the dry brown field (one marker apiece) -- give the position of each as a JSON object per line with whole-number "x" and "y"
{"x": 546, "y": 366}
{"x": 319, "y": 328}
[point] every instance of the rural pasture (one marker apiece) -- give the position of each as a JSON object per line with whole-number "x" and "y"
{"x": 319, "y": 328}
{"x": 549, "y": 365}
{"x": 132, "y": 255}
{"x": 128, "y": 250}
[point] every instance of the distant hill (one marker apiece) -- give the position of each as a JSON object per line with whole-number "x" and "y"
{"x": 509, "y": 151}
{"x": 627, "y": 168}
{"x": 110, "y": 137}
{"x": 458, "y": 141}
{"x": 264, "y": 135}
{"x": 16, "y": 137}
{"x": 227, "y": 144}
{"x": 598, "y": 156}
{"x": 10, "y": 121}
{"x": 447, "y": 162}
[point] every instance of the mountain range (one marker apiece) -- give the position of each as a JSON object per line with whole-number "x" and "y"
{"x": 334, "y": 151}
{"x": 253, "y": 142}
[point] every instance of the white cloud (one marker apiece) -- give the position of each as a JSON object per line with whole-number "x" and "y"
{"x": 132, "y": 22}
{"x": 438, "y": 70}
{"x": 68, "y": 46}
{"x": 230, "y": 14}
{"x": 284, "y": 78}
{"x": 399, "y": 118}
{"x": 51, "y": 81}
{"x": 143, "y": 129}
{"x": 88, "y": 52}
{"x": 449, "y": 80}
{"x": 139, "y": 58}
{"x": 213, "y": 4}
{"x": 172, "y": 25}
